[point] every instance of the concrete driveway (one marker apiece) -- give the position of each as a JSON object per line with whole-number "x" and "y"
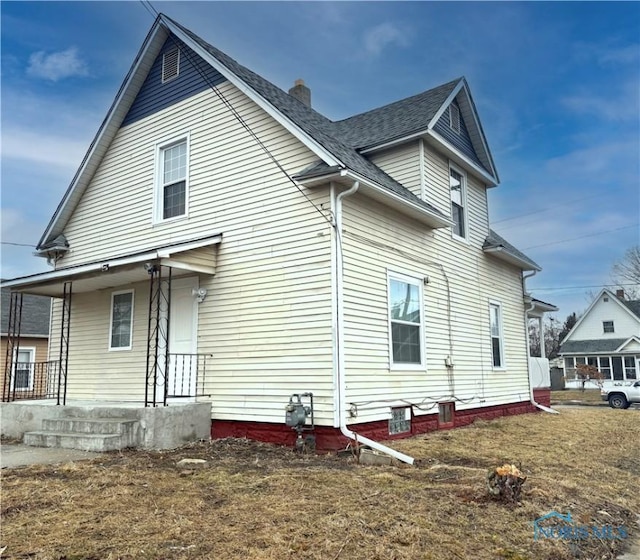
{"x": 18, "y": 455}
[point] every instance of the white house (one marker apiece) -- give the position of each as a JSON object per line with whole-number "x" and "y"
{"x": 607, "y": 337}
{"x": 222, "y": 242}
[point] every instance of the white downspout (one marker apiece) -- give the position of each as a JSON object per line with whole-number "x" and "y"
{"x": 340, "y": 364}
{"x": 526, "y": 331}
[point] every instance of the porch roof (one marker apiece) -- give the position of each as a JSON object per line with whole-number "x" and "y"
{"x": 187, "y": 257}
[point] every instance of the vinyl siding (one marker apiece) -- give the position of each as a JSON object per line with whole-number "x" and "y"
{"x": 590, "y": 328}
{"x": 267, "y": 315}
{"x": 403, "y": 164}
{"x": 404, "y": 246}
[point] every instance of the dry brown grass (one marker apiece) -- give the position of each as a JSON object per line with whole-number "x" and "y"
{"x": 256, "y": 501}
{"x": 590, "y": 396}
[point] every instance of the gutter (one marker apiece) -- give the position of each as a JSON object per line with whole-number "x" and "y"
{"x": 532, "y": 400}
{"x": 339, "y": 361}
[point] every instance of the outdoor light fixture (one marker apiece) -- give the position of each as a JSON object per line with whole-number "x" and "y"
{"x": 199, "y": 293}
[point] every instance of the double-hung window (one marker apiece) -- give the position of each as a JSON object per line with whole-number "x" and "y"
{"x": 405, "y": 320}
{"x": 121, "y": 320}
{"x": 497, "y": 345}
{"x": 172, "y": 192}
{"x": 607, "y": 327}
{"x": 457, "y": 189}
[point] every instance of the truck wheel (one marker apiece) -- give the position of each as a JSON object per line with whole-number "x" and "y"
{"x": 618, "y": 400}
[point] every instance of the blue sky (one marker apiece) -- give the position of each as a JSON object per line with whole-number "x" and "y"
{"x": 557, "y": 87}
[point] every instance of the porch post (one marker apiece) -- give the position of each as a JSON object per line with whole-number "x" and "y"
{"x": 157, "y": 337}
{"x": 63, "y": 357}
{"x": 13, "y": 343}
{"x": 543, "y": 353}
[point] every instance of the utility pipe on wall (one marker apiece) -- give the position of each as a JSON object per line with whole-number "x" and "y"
{"x": 340, "y": 362}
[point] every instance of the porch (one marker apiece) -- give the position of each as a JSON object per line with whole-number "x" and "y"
{"x": 103, "y": 358}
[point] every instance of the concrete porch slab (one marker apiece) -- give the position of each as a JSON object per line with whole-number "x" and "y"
{"x": 165, "y": 427}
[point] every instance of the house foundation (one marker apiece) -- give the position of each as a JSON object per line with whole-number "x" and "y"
{"x": 331, "y": 439}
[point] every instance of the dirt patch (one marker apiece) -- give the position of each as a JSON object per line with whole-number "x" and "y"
{"x": 264, "y": 502}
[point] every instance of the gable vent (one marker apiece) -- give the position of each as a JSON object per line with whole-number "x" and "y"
{"x": 454, "y": 117}
{"x": 170, "y": 65}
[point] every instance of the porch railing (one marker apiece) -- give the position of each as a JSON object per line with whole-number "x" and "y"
{"x": 32, "y": 380}
{"x": 186, "y": 375}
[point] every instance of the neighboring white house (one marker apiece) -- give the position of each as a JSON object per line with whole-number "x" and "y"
{"x": 224, "y": 242}
{"x": 607, "y": 337}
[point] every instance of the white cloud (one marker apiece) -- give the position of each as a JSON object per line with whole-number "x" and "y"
{"x": 57, "y": 66}
{"x": 616, "y": 106}
{"x": 379, "y": 37}
{"x": 41, "y": 148}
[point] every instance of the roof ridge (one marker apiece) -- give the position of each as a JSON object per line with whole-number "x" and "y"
{"x": 451, "y": 84}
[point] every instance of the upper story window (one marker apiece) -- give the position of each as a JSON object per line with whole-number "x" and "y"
{"x": 170, "y": 65}
{"x": 454, "y": 117}
{"x": 607, "y": 326}
{"x": 497, "y": 345}
{"x": 405, "y": 320}
{"x": 121, "y": 320}
{"x": 171, "y": 198}
{"x": 458, "y": 191}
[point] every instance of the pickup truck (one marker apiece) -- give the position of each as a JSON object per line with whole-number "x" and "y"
{"x": 621, "y": 396}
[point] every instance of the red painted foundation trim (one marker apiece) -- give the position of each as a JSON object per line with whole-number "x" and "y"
{"x": 542, "y": 396}
{"x": 331, "y": 439}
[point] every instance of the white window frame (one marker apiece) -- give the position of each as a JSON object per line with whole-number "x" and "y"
{"x": 498, "y": 305}
{"x": 32, "y": 359}
{"x": 158, "y": 197}
{"x": 604, "y": 328}
{"x": 463, "y": 198}
{"x": 419, "y": 282}
{"x": 133, "y": 301}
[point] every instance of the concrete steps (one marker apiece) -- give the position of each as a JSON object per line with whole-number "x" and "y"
{"x": 87, "y": 434}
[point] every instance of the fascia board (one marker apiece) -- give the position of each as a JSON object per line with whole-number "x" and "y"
{"x": 491, "y": 180}
{"x": 502, "y": 254}
{"x": 272, "y": 111}
{"x": 107, "y": 131}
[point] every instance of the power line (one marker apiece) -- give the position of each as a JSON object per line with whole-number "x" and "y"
{"x": 17, "y": 244}
{"x": 149, "y": 7}
{"x": 534, "y": 288}
{"x": 581, "y": 237}
{"x": 559, "y": 205}
{"x": 249, "y": 130}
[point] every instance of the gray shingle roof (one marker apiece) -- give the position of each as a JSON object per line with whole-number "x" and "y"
{"x": 395, "y": 120}
{"x": 35, "y": 314}
{"x": 591, "y": 346}
{"x": 633, "y": 305}
{"x": 494, "y": 240}
{"x": 327, "y": 133}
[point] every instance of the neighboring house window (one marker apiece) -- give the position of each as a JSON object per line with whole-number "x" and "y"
{"x": 170, "y": 65}
{"x": 458, "y": 193}
{"x": 121, "y": 320}
{"x": 172, "y": 173}
{"x": 400, "y": 421}
{"x": 607, "y": 326}
{"x": 630, "y": 367}
{"x": 23, "y": 373}
{"x": 454, "y": 117}
{"x": 497, "y": 351}
{"x": 605, "y": 366}
{"x": 405, "y": 320}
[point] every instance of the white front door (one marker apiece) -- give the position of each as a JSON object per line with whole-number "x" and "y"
{"x": 183, "y": 345}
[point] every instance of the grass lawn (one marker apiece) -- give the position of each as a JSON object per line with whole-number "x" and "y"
{"x": 587, "y": 396}
{"x": 256, "y": 501}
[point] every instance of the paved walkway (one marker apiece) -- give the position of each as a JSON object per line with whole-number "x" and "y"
{"x": 19, "y": 455}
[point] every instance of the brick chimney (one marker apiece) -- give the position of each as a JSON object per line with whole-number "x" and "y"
{"x": 301, "y": 92}
{"x": 620, "y": 293}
